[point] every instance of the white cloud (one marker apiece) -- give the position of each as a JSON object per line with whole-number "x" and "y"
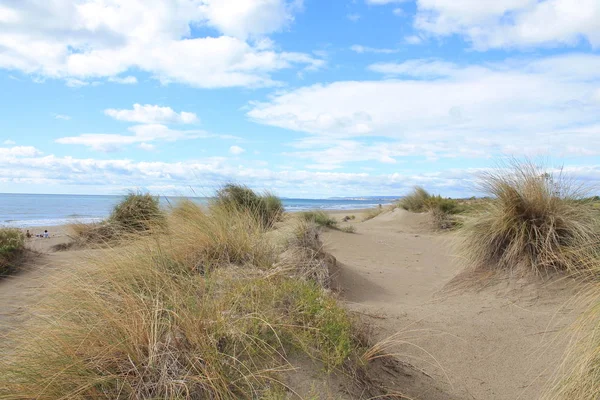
{"x": 399, "y": 12}
{"x": 9, "y": 142}
{"x": 30, "y": 168}
{"x": 127, "y": 80}
{"x": 241, "y": 18}
{"x": 147, "y": 146}
{"x": 152, "y": 114}
{"x": 83, "y": 41}
{"x": 62, "y": 117}
{"x": 19, "y": 151}
{"x": 413, "y": 39}
{"x": 512, "y": 23}
{"x": 353, "y": 17}
{"x": 108, "y": 142}
{"x": 437, "y": 109}
{"x": 365, "y": 49}
{"x": 236, "y": 150}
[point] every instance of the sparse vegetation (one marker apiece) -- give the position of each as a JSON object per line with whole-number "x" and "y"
{"x": 534, "y": 223}
{"x": 267, "y": 208}
{"x": 320, "y": 218}
{"x": 12, "y": 246}
{"x": 349, "y": 229}
{"x": 372, "y": 213}
{"x": 215, "y": 306}
{"x": 442, "y": 209}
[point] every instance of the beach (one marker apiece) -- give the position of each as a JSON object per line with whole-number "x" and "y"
{"x": 502, "y": 341}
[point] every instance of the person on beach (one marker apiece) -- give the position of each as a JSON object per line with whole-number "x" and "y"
{"x": 46, "y": 234}
{"x": 28, "y": 235}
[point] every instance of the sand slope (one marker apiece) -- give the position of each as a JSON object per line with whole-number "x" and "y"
{"x": 501, "y": 342}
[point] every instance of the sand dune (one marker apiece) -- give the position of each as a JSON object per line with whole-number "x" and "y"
{"x": 500, "y": 342}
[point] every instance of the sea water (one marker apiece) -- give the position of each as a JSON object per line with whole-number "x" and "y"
{"x": 29, "y": 210}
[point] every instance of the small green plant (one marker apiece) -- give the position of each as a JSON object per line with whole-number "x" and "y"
{"x": 349, "y": 229}
{"x": 320, "y": 218}
{"x": 12, "y": 245}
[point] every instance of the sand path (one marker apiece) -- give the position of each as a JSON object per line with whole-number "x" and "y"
{"x": 497, "y": 343}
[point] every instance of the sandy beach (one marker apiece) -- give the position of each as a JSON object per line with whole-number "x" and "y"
{"x": 499, "y": 342}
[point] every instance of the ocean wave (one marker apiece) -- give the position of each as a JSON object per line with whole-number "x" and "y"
{"x": 48, "y": 222}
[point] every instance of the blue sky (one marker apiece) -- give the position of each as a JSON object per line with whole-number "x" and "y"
{"x": 308, "y": 98}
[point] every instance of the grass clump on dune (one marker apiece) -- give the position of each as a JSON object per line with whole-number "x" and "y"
{"x": 137, "y": 213}
{"x": 267, "y": 208}
{"x": 534, "y": 222}
{"x": 416, "y": 201}
{"x": 209, "y": 308}
{"x": 12, "y": 246}
{"x": 442, "y": 209}
{"x": 320, "y": 218}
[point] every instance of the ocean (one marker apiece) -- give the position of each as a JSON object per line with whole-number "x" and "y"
{"x": 29, "y": 210}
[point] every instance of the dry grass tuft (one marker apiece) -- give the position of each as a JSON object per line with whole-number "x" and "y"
{"x": 442, "y": 210}
{"x": 267, "y": 208}
{"x": 137, "y": 214}
{"x": 581, "y": 367}
{"x": 535, "y": 223}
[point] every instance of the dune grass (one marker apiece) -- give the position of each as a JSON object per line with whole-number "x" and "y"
{"x": 267, "y": 208}
{"x": 535, "y": 222}
{"x": 216, "y": 306}
{"x": 442, "y": 209}
{"x": 582, "y": 362}
{"x": 320, "y": 218}
{"x": 137, "y": 212}
{"x": 372, "y": 213}
{"x": 12, "y": 246}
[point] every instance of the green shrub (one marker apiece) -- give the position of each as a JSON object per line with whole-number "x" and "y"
{"x": 267, "y": 208}
{"x": 138, "y": 212}
{"x": 12, "y": 244}
{"x": 320, "y": 218}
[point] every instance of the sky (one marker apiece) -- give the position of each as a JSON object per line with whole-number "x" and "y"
{"x": 306, "y": 98}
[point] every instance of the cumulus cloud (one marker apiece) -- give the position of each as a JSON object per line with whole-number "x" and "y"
{"x": 438, "y": 109}
{"x": 83, "y": 41}
{"x": 152, "y": 114}
{"x": 236, "y": 150}
{"x": 512, "y": 23}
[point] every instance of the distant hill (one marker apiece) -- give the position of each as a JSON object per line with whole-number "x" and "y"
{"x": 374, "y": 198}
